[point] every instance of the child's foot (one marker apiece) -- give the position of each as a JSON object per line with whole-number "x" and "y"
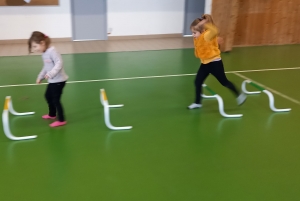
{"x": 48, "y": 117}
{"x": 241, "y": 98}
{"x": 194, "y": 105}
{"x": 58, "y": 123}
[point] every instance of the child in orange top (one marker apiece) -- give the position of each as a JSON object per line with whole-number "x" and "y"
{"x": 207, "y": 50}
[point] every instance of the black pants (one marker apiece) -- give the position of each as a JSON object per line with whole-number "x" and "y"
{"x": 215, "y": 68}
{"x": 53, "y": 95}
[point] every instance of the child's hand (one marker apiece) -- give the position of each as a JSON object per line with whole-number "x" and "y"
{"x": 220, "y": 40}
{"x": 38, "y": 81}
{"x": 200, "y": 25}
{"x": 46, "y": 77}
{"x": 202, "y": 22}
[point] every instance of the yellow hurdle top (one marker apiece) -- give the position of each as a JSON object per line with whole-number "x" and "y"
{"x": 104, "y": 95}
{"x": 6, "y": 103}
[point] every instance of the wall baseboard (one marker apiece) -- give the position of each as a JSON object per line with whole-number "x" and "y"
{"x": 261, "y": 45}
{"x": 135, "y": 37}
{"x": 22, "y": 41}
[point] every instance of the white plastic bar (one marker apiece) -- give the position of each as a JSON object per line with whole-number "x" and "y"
{"x": 5, "y": 121}
{"x": 221, "y": 109}
{"x": 270, "y": 95}
{"x": 206, "y": 96}
{"x": 221, "y": 105}
{"x": 271, "y": 103}
{"x": 115, "y": 106}
{"x": 12, "y": 111}
{"x": 104, "y": 101}
{"x": 246, "y": 91}
{"x": 111, "y": 106}
{"x": 109, "y": 125}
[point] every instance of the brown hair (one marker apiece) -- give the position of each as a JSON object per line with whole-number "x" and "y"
{"x": 209, "y": 18}
{"x": 195, "y": 23}
{"x": 206, "y": 17}
{"x": 38, "y": 37}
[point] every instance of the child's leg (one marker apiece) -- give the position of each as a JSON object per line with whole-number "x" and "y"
{"x": 49, "y": 99}
{"x": 57, "y": 92}
{"x": 202, "y": 74}
{"x": 217, "y": 69}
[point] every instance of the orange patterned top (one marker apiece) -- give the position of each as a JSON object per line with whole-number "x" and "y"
{"x": 206, "y": 45}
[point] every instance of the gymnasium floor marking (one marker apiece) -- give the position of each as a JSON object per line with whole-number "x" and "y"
{"x": 149, "y": 77}
{"x": 268, "y": 88}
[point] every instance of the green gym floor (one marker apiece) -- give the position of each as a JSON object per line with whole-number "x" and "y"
{"x": 172, "y": 153}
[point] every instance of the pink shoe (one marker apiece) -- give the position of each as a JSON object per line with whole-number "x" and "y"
{"x": 58, "y": 123}
{"x": 48, "y": 117}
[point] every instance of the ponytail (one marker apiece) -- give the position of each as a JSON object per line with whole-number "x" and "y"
{"x": 208, "y": 18}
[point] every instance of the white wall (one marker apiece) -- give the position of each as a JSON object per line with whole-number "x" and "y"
{"x": 125, "y": 17}
{"x": 142, "y": 17}
{"x": 19, "y": 22}
{"x": 208, "y": 6}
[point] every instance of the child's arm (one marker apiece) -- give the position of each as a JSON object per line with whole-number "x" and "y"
{"x": 220, "y": 40}
{"x": 211, "y": 33}
{"x": 41, "y": 75}
{"x": 55, "y": 56}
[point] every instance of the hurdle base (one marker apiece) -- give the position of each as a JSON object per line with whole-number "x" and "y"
{"x": 220, "y": 103}
{"x": 104, "y": 102}
{"x": 115, "y": 106}
{"x": 269, "y": 94}
{"x": 7, "y": 132}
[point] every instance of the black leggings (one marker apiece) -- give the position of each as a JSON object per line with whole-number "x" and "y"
{"x": 53, "y": 95}
{"x": 216, "y": 68}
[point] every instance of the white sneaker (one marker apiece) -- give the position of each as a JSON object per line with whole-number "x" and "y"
{"x": 194, "y": 106}
{"x": 241, "y": 99}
